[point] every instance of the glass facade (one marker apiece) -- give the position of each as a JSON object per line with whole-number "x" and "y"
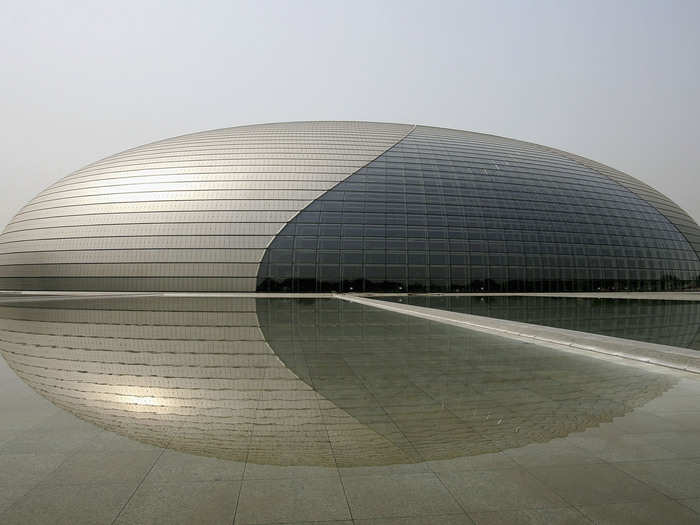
{"x": 453, "y": 211}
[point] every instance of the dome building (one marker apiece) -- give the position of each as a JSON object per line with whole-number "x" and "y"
{"x": 348, "y": 206}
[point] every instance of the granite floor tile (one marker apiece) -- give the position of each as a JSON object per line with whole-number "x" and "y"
{"x": 629, "y": 447}
{"x": 183, "y": 503}
{"x": 106, "y": 441}
{"x": 398, "y": 495}
{"x": 604, "y": 430}
{"x": 28, "y": 468}
{"x": 97, "y": 467}
{"x": 682, "y": 444}
{"x": 693, "y": 504}
{"x": 291, "y": 500}
{"x": 334, "y": 522}
{"x": 672, "y": 402}
{"x": 450, "y": 519}
{"x": 490, "y": 461}
{"x": 173, "y": 466}
{"x": 93, "y": 476}
{"x": 96, "y": 504}
{"x": 687, "y": 419}
{"x": 642, "y": 422}
{"x": 388, "y": 470}
{"x": 679, "y": 478}
{"x": 7, "y": 434}
{"x": 19, "y": 420}
{"x": 64, "y": 420}
{"x": 257, "y": 471}
{"x": 504, "y": 489}
{"x": 557, "y": 452}
{"x": 563, "y": 516}
{"x": 48, "y": 441}
{"x": 652, "y": 512}
{"x": 593, "y": 484}
{"x": 12, "y": 492}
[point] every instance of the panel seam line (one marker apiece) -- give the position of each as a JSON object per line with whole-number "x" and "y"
{"x": 401, "y": 139}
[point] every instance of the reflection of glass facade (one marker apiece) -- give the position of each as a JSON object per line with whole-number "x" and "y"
{"x": 319, "y": 382}
{"x": 674, "y": 323}
{"x": 454, "y": 211}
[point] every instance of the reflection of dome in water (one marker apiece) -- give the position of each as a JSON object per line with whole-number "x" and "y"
{"x": 674, "y": 323}
{"x": 311, "y": 382}
{"x": 348, "y": 206}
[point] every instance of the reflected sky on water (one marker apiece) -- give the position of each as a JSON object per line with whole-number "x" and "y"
{"x": 307, "y": 381}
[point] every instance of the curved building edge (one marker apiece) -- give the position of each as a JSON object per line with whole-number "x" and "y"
{"x": 206, "y": 212}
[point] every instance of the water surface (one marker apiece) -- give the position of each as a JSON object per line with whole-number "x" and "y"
{"x": 307, "y": 381}
{"x": 674, "y": 323}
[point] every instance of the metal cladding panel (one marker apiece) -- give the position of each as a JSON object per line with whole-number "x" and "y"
{"x": 178, "y": 207}
{"x": 153, "y": 218}
{"x": 222, "y": 242}
{"x": 348, "y": 206}
{"x": 152, "y": 269}
{"x": 130, "y": 284}
{"x": 217, "y": 192}
{"x": 215, "y": 255}
{"x": 448, "y": 210}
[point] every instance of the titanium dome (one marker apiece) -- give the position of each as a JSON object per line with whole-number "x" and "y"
{"x": 348, "y": 206}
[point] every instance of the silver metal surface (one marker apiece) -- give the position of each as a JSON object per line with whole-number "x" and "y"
{"x": 197, "y": 212}
{"x": 178, "y": 214}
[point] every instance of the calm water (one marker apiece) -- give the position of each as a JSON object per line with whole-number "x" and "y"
{"x": 309, "y": 381}
{"x": 675, "y": 323}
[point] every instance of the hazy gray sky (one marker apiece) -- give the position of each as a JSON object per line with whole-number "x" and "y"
{"x": 618, "y": 82}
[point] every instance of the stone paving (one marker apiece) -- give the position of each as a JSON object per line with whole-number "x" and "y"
{"x": 643, "y": 467}
{"x": 582, "y": 436}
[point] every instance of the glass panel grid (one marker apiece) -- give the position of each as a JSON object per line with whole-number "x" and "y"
{"x": 452, "y": 211}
